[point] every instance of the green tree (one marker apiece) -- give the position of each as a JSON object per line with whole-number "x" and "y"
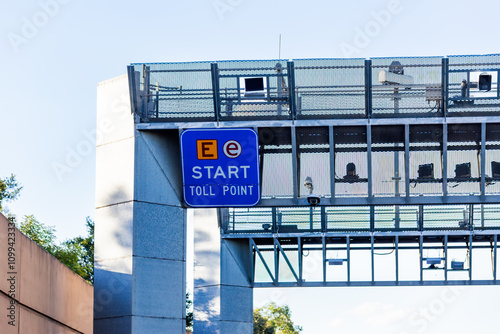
{"x": 83, "y": 248}
{"x": 77, "y": 253}
{"x": 272, "y": 318}
{"x": 189, "y": 313}
{"x": 9, "y": 189}
{"x": 261, "y": 324}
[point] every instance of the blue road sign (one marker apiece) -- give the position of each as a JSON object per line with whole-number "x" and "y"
{"x": 220, "y": 167}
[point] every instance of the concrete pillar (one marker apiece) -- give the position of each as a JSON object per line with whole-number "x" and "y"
{"x": 223, "y": 296}
{"x": 140, "y": 233}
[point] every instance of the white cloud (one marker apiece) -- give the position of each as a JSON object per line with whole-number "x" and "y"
{"x": 379, "y": 314}
{"x": 336, "y": 322}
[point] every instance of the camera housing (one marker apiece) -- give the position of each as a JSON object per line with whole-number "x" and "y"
{"x": 313, "y": 199}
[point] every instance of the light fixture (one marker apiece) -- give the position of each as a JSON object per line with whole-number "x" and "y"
{"x": 395, "y": 75}
{"x": 495, "y": 169}
{"x": 266, "y": 227}
{"x": 433, "y": 262}
{"x": 350, "y": 172}
{"x": 335, "y": 262}
{"x": 484, "y": 82}
{"x": 254, "y": 87}
{"x": 457, "y": 265}
{"x": 426, "y": 171}
{"x": 462, "y": 170}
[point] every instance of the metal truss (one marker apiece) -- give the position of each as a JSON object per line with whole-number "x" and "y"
{"x": 272, "y": 256}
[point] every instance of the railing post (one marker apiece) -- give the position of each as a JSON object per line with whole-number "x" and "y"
{"x": 215, "y": 89}
{"x": 444, "y": 86}
{"x": 368, "y": 88}
{"x": 291, "y": 90}
{"x": 145, "y": 85}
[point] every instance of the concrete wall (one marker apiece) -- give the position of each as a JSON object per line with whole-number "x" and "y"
{"x": 39, "y": 294}
{"x": 140, "y": 232}
{"x": 223, "y": 296}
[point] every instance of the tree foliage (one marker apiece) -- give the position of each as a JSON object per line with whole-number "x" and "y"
{"x": 77, "y": 253}
{"x": 272, "y": 318}
{"x": 9, "y": 189}
{"x": 189, "y": 313}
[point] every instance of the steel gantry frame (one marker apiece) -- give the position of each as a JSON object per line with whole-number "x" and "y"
{"x": 272, "y": 253}
{"x": 358, "y": 110}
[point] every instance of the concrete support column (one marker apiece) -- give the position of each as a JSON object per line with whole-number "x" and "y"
{"x": 140, "y": 234}
{"x": 223, "y": 296}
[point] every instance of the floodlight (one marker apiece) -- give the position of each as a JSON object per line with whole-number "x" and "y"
{"x": 335, "y": 262}
{"x": 266, "y": 227}
{"x": 462, "y": 170}
{"x": 396, "y": 67}
{"x": 254, "y": 87}
{"x": 426, "y": 171}
{"x": 484, "y": 82}
{"x": 433, "y": 261}
{"x": 350, "y": 172}
{"x": 495, "y": 168}
{"x": 266, "y": 136}
{"x": 457, "y": 265}
{"x": 395, "y": 75}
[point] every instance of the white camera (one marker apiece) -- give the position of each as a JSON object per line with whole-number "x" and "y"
{"x": 313, "y": 199}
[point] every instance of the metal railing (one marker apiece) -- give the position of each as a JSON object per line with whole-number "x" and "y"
{"x": 466, "y": 217}
{"x": 316, "y": 89}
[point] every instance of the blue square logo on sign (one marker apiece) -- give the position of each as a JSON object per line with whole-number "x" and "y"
{"x": 220, "y": 167}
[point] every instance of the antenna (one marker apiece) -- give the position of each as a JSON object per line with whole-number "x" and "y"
{"x": 279, "y": 50}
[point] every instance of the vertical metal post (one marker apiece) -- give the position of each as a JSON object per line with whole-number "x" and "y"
{"x": 324, "y": 259}
{"x": 372, "y": 218}
{"x": 145, "y": 101}
{"x": 421, "y": 251}
{"x": 471, "y": 217}
{"x": 372, "y": 239}
{"x": 291, "y": 89}
{"x": 279, "y": 85}
{"x": 323, "y": 219}
{"x": 420, "y": 217}
{"x": 407, "y": 161}
{"x": 368, "y": 88}
{"x": 274, "y": 227}
{"x": 299, "y": 248}
{"x": 483, "y": 160}
{"x": 348, "y": 246}
{"x": 133, "y": 89}
{"x": 495, "y": 239}
{"x": 238, "y": 89}
{"x": 157, "y": 104}
{"x": 369, "y": 160}
{"x": 215, "y": 90}
{"x": 468, "y": 84}
{"x": 311, "y": 221}
{"x": 446, "y": 258}
{"x": 331, "y": 137}
{"x": 252, "y": 259}
{"x": 276, "y": 261}
{"x": 396, "y": 243}
{"x": 445, "y": 162}
{"x": 294, "y": 164}
{"x": 482, "y": 216}
{"x": 470, "y": 257}
{"x": 444, "y": 87}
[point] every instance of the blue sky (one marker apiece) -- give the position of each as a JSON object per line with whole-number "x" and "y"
{"x": 54, "y": 52}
